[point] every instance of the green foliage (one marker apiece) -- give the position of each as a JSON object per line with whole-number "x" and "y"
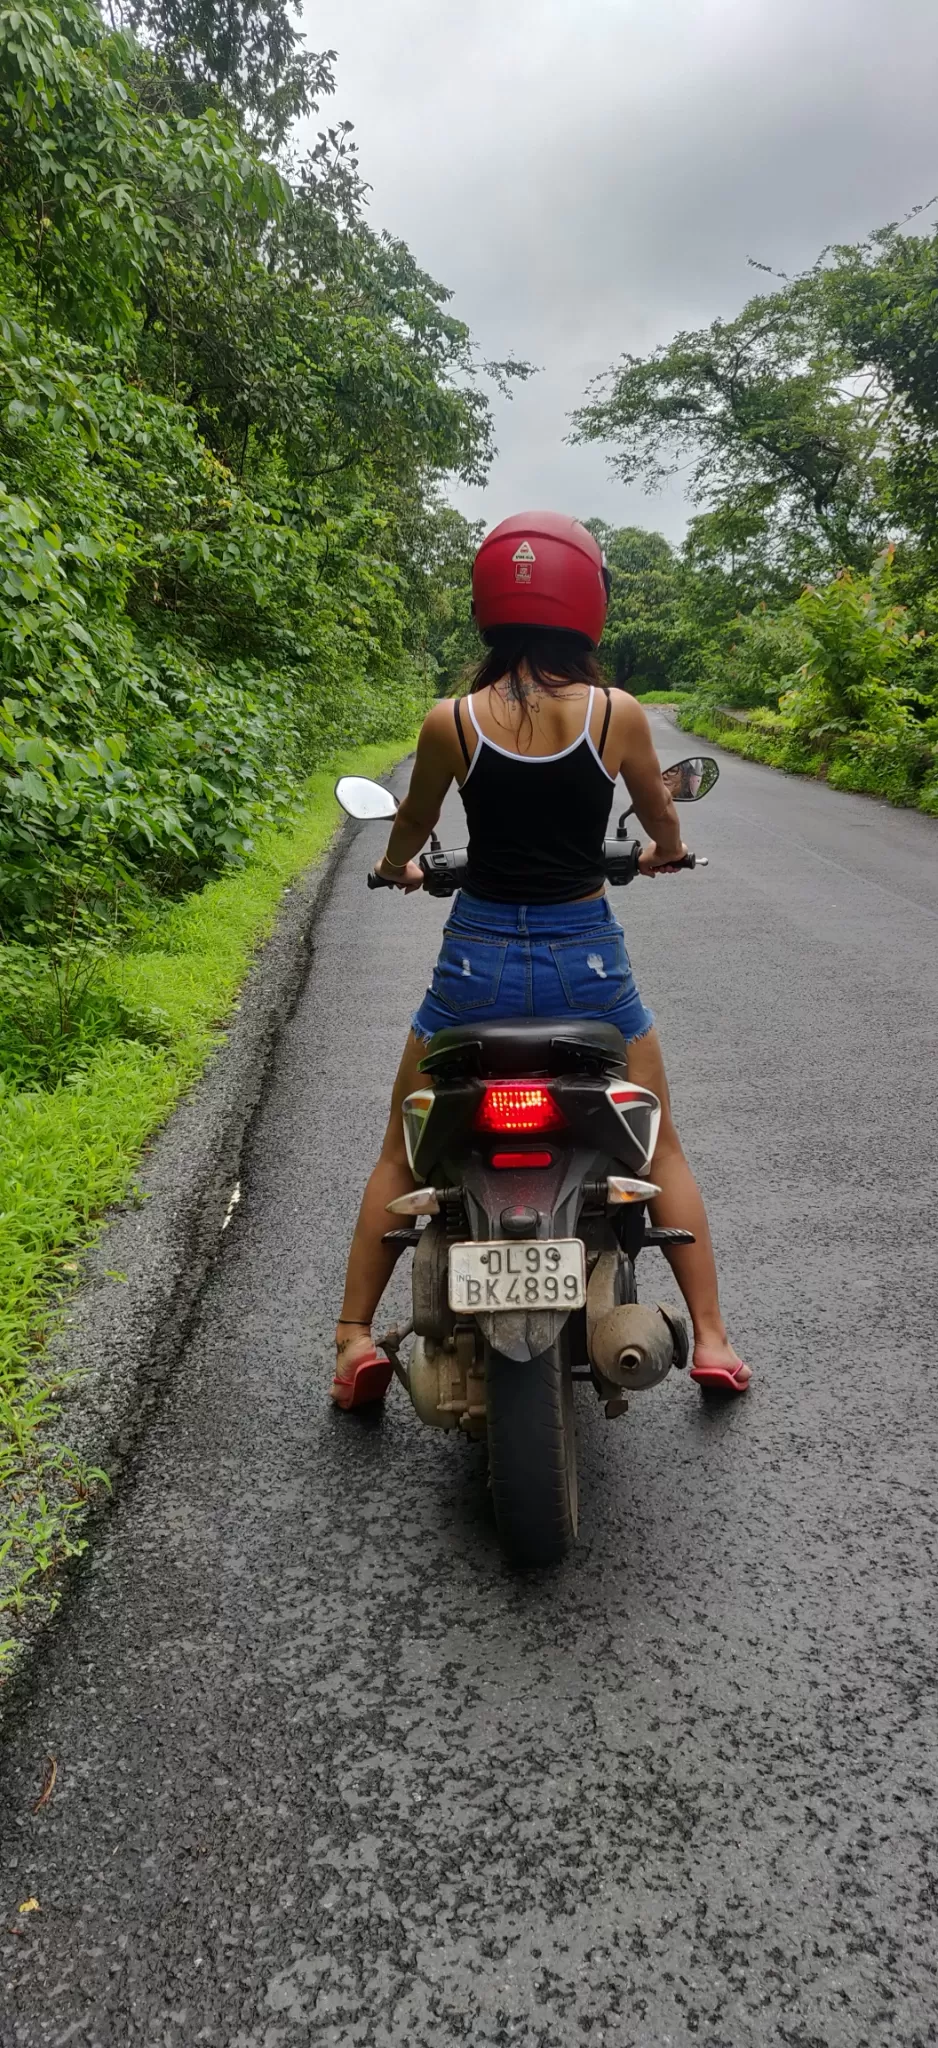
{"x": 97, "y": 186}
{"x": 834, "y": 686}
{"x": 757, "y": 659}
{"x": 66, "y": 1151}
{"x": 882, "y": 297}
{"x": 858, "y": 667}
{"x": 763, "y": 407}
{"x": 671, "y": 697}
{"x": 245, "y": 59}
{"x": 225, "y": 405}
{"x": 451, "y": 641}
{"x": 805, "y": 597}
{"x": 644, "y": 640}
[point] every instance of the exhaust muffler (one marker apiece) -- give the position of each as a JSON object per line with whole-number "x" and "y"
{"x": 630, "y": 1345}
{"x": 633, "y": 1346}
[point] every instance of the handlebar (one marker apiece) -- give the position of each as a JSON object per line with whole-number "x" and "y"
{"x": 444, "y": 873}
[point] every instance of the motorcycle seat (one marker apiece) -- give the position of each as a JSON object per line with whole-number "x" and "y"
{"x": 526, "y": 1045}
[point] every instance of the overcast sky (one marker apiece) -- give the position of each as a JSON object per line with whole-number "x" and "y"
{"x": 587, "y": 176}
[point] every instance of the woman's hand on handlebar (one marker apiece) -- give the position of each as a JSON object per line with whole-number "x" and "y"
{"x": 652, "y": 863}
{"x": 408, "y": 878}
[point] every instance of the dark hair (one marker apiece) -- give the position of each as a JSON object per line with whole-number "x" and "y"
{"x": 551, "y": 658}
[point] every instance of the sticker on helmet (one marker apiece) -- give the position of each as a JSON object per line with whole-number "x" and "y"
{"x": 523, "y": 558}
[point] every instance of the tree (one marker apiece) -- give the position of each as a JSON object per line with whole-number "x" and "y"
{"x": 761, "y": 404}
{"x": 244, "y": 58}
{"x": 882, "y": 298}
{"x": 440, "y": 563}
{"x": 643, "y": 640}
{"x": 226, "y": 410}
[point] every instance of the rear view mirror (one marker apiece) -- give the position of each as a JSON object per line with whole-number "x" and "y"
{"x": 363, "y": 799}
{"x": 687, "y": 781}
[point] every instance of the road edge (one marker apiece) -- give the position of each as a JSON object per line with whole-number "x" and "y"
{"x": 142, "y": 1279}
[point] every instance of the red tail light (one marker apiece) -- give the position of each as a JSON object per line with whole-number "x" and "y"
{"x": 522, "y": 1159}
{"x": 518, "y": 1106}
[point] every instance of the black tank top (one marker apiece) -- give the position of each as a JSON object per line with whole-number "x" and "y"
{"x": 537, "y": 822}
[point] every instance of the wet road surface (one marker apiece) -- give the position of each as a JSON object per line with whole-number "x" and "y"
{"x": 327, "y": 1772}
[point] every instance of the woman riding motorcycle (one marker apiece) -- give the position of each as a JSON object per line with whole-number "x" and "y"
{"x": 535, "y": 750}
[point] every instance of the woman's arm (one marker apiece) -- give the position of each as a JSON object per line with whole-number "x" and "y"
{"x": 638, "y": 764}
{"x": 433, "y": 771}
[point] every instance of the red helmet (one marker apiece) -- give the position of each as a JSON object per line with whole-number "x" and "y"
{"x": 541, "y": 569}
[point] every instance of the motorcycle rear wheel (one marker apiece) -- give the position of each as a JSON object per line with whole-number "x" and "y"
{"x": 532, "y": 1455}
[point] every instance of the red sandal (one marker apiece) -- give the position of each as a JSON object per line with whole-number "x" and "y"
{"x": 364, "y": 1382}
{"x": 721, "y": 1379}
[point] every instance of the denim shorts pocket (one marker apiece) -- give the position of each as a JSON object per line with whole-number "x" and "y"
{"x": 594, "y": 970}
{"x": 468, "y": 972}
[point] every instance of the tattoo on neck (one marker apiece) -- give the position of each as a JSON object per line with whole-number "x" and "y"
{"x": 529, "y": 691}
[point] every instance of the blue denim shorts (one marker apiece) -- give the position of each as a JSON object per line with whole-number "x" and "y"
{"x": 532, "y": 960}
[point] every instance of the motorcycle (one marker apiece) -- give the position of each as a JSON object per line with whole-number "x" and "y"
{"x": 529, "y": 1146}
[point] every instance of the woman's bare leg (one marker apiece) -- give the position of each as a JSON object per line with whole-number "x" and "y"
{"x": 680, "y": 1207}
{"x": 371, "y": 1263}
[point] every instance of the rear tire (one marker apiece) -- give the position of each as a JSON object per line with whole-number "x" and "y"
{"x": 532, "y": 1455}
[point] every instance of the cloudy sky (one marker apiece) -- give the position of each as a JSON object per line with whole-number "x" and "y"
{"x": 590, "y": 175}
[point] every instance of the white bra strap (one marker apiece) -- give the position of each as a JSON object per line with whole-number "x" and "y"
{"x": 470, "y": 700}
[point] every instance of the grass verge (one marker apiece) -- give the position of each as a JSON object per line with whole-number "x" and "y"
{"x": 675, "y": 697}
{"x": 69, "y": 1151}
{"x": 867, "y": 764}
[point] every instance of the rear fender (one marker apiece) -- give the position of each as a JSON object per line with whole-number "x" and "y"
{"x": 554, "y": 1194}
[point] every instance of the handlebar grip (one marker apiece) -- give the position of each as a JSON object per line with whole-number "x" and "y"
{"x": 377, "y": 881}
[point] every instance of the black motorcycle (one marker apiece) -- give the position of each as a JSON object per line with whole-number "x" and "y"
{"x": 529, "y": 1145}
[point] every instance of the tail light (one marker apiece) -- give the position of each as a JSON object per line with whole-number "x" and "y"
{"x": 415, "y": 1112}
{"x": 640, "y": 1111}
{"x": 518, "y": 1107}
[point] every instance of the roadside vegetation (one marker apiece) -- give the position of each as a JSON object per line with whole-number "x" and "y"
{"x": 70, "y": 1146}
{"x": 227, "y": 406}
{"x": 805, "y": 596}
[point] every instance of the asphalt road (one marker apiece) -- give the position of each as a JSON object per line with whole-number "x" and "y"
{"x": 327, "y": 1772}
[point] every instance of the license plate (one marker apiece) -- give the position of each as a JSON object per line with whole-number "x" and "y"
{"x": 534, "y": 1274}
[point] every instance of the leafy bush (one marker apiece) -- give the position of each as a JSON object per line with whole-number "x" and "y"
{"x": 224, "y": 408}
{"x": 839, "y": 683}
{"x": 759, "y": 660}
{"x": 859, "y": 663}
